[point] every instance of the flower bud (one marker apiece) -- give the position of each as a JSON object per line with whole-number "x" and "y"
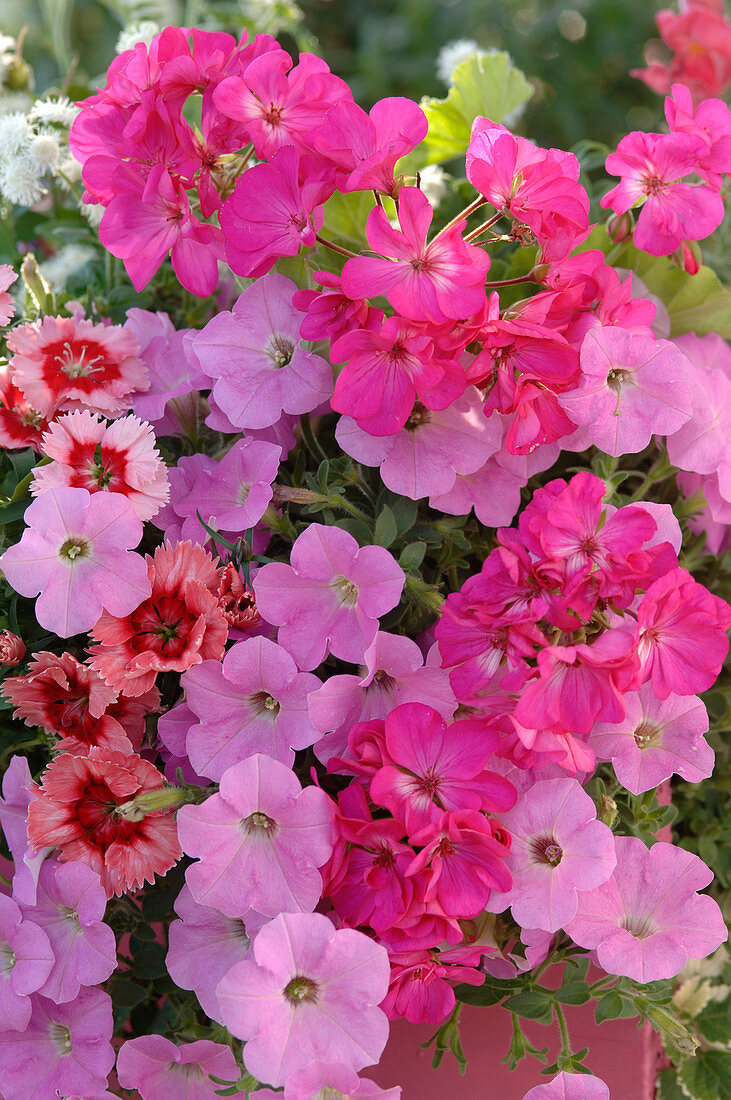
{"x": 620, "y": 226}
{"x": 690, "y": 257}
{"x": 12, "y": 649}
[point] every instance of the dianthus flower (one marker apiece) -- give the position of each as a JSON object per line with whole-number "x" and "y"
{"x": 69, "y": 907}
{"x": 159, "y": 1069}
{"x": 658, "y": 738}
{"x": 63, "y": 363}
{"x": 77, "y": 553}
{"x": 20, "y": 424}
{"x": 93, "y": 810}
{"x": 259, "y": 841}
{"x": 435, "y": 281}
{"x": 557, "y": 849}
{"x": 65, "y": 1049}
{"x": 256, "y": 360}
{"x": 72, "y": 701}
{"x": 653, "y": 165}
{"x": 255, "y": 700}
{"x": 331, "y": 596}
{"x": 179, "y": 625}
{"x": 648, "y": 919}
{"x": 120, "y": 457}
{"x": 204, "y": 945}
{"x": 310, "y": 992}
{"x": 12, "y": 649}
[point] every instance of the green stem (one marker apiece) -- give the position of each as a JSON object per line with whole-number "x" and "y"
{"x": 311, "y": 441}
{"x": 463, "y": 214}
{"x": 335, "y": 247}
{"x": 659, "y": 471}
{"x": 337, "y": 501}
{"x": 510, "y": 282}
{"x": 565, "y": 1040}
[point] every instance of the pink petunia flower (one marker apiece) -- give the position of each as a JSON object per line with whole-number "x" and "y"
{"x": 256, "y": 360}
{"x": 174, "y": 373}
{"x": 557, "y": 849}
{"x": 570, "y": 1086}
{"x": 204, "y": 945}
{"x": 159, "y": 1069}
{"x": 323, "y": 1079}
{"x": 259, "y": 841}
{"x": 27, "y": 959}
{"x": 331, "y": 596}
{"x": 658, "y": 738}
{"x": 69, "y": 907}
{"x": 64, "y": 1050}
{"x": 120, "y": 457}
{"x": 255, "y": 700}
{"x": 77, "y": 553}
{"x": 66, "y": 363}
{"x": 18, "y": 791}
{"x": 632, "y": 387}
{"x": 648, "y": 919}
{"x": 310, "y": 992}
{"x": 435, "y": 281}
{"x": 652, "y": 166}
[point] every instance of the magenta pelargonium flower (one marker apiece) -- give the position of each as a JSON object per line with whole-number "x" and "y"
{"x": 558, "y": 848}
{"x": 436, "y": 281}
{"x": 310, "y": 993}
{"x": 65, "y": 1049}
{"x": 648, "y": 919}
{"x": 256, "y": 359}
{"x": 658, "y": 738}
{"x": 330, "y": 598}
{"x": 259, "y": 841}
{"x": 631, "y": 388}
{"x": 159, "y": 1069}
{"x": 77, "y": 553}
{"x": 253, "y": 701}
{"x": 570, "y": 1086}
{"x": 70, "y": 906}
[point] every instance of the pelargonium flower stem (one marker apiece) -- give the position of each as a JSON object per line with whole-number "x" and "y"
{"x": 335, "y": 247}
{"x": 475, "y": 205}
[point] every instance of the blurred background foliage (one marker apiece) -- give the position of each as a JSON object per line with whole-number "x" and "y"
{"x": 577, "y": 53}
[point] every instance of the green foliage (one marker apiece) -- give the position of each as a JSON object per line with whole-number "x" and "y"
{"x": 708, "y": 1076}
{"x": 491, "y": 86}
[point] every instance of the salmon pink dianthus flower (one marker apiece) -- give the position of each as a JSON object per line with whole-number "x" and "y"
{"x": 85, "y": 807}
{"x": 66, "y": 363}
{"x": 179, "y": 625}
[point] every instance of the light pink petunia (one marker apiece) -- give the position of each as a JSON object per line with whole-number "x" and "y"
{"x": 173, "y": 372}
{"x": 256, "y": 360}
{"x": 70, "y": 906}
{"x": 65, "y": 1049}
{"x": 253, "y": 701}
{"x": 18, "y": 792}
{"x": 330, "y": 598}
{"x": 557, "y": 849}
{"x": 648, "y": 919}
{"x": 324, "y": 1079}
{"x": 76, "y": 552}
{"x": 26, "y": 960}
{"x": 90, "y": 454}
{"x": 657, "y": 739}
{"x": 259, "y": 841}
{"x": 394, "y": 673}
{"x": 570, "y": 1086}
{"x": 632, "y": 387}
{"x": 309, "y": 993}
{"x": 159, "y": 1069}
{"x": 204, "y": 945}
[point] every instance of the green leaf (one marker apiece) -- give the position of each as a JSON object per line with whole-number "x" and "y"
{"x": 157, "y": 905}
{"x": 573, "y": 993}
{"x": 608, "y": 1007}
{"x": 715, "y": 1021}
{"x": 386, "y": 529}
{"x": 668, "y": 1087}
{"x": 124, "y": 993}
{"x": 346, "y": 216}
{"x": 489, "y": 993}
{"x": 490, "y": 86}
{"x": 10, "y": 512}
{"x": 708, "y": 1075}
{"x": 412, "y": 556}
{"x": 150, "y": 961}
{"x": 533, "y": 1004}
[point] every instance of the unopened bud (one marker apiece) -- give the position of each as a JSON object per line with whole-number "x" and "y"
{"x": 607, "y": 810}
{"x": 691, "y": 257}
{"x": 620, "y": 227}
{"x": 18, "y": 75}
{"x": 12, "y": 649}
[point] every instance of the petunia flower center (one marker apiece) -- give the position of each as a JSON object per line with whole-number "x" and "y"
{"x": 263, "y": 705}
{"x": 639, "y": 927}
{"x": 618, "y": 377}
{"x": 301, "y": 989}
{"x": 7, "y": 957}
{"x": 74, "y": 548}
{"x": 546, "y": 850}
{"x": 60, "y": 1036}
{"x": 347, "y": 591}
{"x": 281, "y": 348}
{"x": 261, "y": 823}
{"x": 419, "y": 415}
{"x": 646, "y": 734}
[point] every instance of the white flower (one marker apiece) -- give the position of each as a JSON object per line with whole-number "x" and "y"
{"x": 13, "y": 102}
{"x": 45, "y": 151}
{"x": 133, "y": 33}
{"x": 433, "y": 181}
{"x": 69, "y": 171}
{"x": 16, "y": 135}
{"x": 93, "y": 212}
{"x": 57, "y": 110}
{"x": 7, "y": 44}
{"x": 68, "y": 259}
{"x": 453, "y": 54}
{"x": 20, "y": 180}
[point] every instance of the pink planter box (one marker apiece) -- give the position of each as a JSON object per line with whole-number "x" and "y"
{"x": 626, "y": 1057}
